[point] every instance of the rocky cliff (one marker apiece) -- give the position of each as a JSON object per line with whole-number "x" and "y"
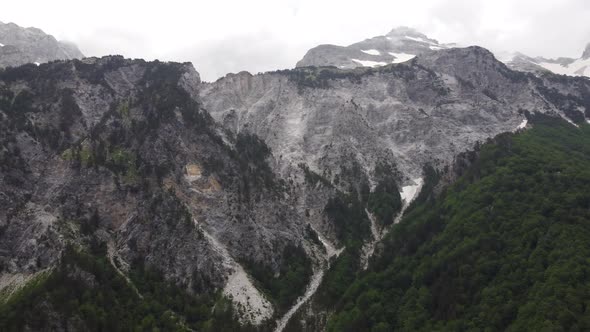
{"x": 423, "y": 111}
{"x": 245, "y": 187}
{"x": 118, "y": 153}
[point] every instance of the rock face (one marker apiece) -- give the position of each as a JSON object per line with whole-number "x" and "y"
{"x": 31, "y": 45}
{"x": 423, "y": 111}
{"x": 343, "y": 124}
{"x": 562, "y": 66}
{"x": 399, "y": 45}
{"x": 167, "y": 171}
{"x": 117, "y": 151}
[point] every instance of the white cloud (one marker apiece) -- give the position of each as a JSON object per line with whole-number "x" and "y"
{"x": 258, "y": 35}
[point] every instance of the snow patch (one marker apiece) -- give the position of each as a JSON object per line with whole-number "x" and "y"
{"x": 408, "y": 193}
{"x": 419, "y": 39}
{"x": 522, "y": 124}
{"x": 435, "y": 48}
{"x": 1, "y": 45}
{"x": 36, "y": 63}
{"x": 402, "y": 57}
{"x": 580, "y": 67}
{"x": 371, "y": 52}
{"x": 367, "y": 63}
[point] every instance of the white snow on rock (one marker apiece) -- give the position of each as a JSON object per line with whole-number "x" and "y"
{"x": 1, "y": 45}
{"x": 580, "y": 67}
{"x": 402, "y": 57}
{"x": 251, "y": 304}
{"x": 368, "y": 63}
{"x": 409, "y": 192}
{"x": 37, "y": 63}
{"x": 435, "y": 48}
{"x": 522, "y": 124}
{"x": 418, "y": 39}
{"x": 371, "y": 52}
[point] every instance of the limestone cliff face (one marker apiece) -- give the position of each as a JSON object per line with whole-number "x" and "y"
{"x": 423, "y": 111}
{"x": 203, "y": 180}
{"x": 342, "y": 124}
{"x": 117, "y": 151}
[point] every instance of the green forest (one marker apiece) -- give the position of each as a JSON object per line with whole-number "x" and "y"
{"x": 86, "y": 293}
{"x": 505, "y": 248}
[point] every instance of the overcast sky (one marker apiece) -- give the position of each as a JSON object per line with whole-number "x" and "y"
{"x": 221, "y": 36}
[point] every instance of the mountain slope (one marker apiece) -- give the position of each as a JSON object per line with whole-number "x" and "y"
{"x": 119, "y": 166}
{"x": 118, "y": 153}
{"x": 342, "y": 128}
{"x": 402, "y": 44}
{"x": 423, "y": 111}
{"x": 504, "y": 248}
{"x": 561, "y": 66}
{"x": 30, "y": 45}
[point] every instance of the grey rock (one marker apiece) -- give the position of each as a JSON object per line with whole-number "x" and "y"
{"x": 586, "y": 54}
{"x": 182, "y": 178}
{"x": 32, "y": 45}
{"x": 424, "y": 111}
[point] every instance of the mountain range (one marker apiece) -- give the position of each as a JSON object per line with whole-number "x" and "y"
{"x": 397, "y": 183}
{"x": 403, "y": 43}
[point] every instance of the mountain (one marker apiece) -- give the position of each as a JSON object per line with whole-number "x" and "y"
{"x": 399, "y": 45}
{"x": 110, "y": 166}
{"x": 501, "y": 249}
{"x": 135, "y": 196}
{"x": 402, "y": 44}
{"x": 562, "y": 66}
{"x": 31, "y": 45}
{"x": 425, "y": 110}
{"x": 378, "y": 135}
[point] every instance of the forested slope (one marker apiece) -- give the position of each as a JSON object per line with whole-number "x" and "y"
{"x": 503, "y": 248}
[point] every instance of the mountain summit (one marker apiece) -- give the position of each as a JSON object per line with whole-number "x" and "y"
{"x": 399, "y": 45}
{"x": 403, "y": 43}
{"x": 20, "y": 45}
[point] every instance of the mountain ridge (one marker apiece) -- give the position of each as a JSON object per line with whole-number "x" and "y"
{"x": 403, "y": 43}
{"x": 237, "y": 190}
